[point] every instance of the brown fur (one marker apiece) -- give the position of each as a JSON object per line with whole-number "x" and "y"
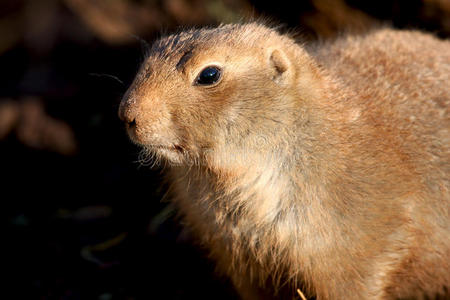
{"x": 323, "y": 168}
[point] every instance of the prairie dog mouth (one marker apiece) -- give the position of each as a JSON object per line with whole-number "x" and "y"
{"x": 138, "y": 139}
{"x": 176, "y": 148}
{"x": 174, "y": 154}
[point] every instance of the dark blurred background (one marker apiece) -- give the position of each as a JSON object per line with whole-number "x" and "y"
{"x": 84, "y": 218}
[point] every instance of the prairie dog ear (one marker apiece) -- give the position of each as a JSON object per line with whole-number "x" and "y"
{"x": 280, "y": 65}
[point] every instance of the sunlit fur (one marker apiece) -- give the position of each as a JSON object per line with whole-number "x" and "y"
{"x": 322, "y": 167}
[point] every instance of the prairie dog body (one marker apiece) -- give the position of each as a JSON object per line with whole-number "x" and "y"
{"x": 323, "y": 168}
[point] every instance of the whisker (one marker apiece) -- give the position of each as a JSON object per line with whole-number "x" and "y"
{"x": 108, "y": 76}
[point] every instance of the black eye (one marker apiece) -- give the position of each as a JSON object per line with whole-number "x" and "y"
{"x": 208, "y": 76}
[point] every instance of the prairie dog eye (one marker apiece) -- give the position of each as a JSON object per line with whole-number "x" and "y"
{"x": 208, "y": 76}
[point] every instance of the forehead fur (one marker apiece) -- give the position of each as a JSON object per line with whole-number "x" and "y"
{"x": 227, "y": 35}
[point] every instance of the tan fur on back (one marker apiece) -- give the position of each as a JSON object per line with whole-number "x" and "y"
{"x": 324, "y": 167}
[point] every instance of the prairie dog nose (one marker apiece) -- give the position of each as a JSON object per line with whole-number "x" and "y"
{"x": 127, "y": 110}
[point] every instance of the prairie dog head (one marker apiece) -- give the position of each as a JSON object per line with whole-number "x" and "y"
{"x": 211, "y": 90}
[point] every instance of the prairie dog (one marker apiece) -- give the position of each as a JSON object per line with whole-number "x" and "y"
{"x": 324, "y": 168}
